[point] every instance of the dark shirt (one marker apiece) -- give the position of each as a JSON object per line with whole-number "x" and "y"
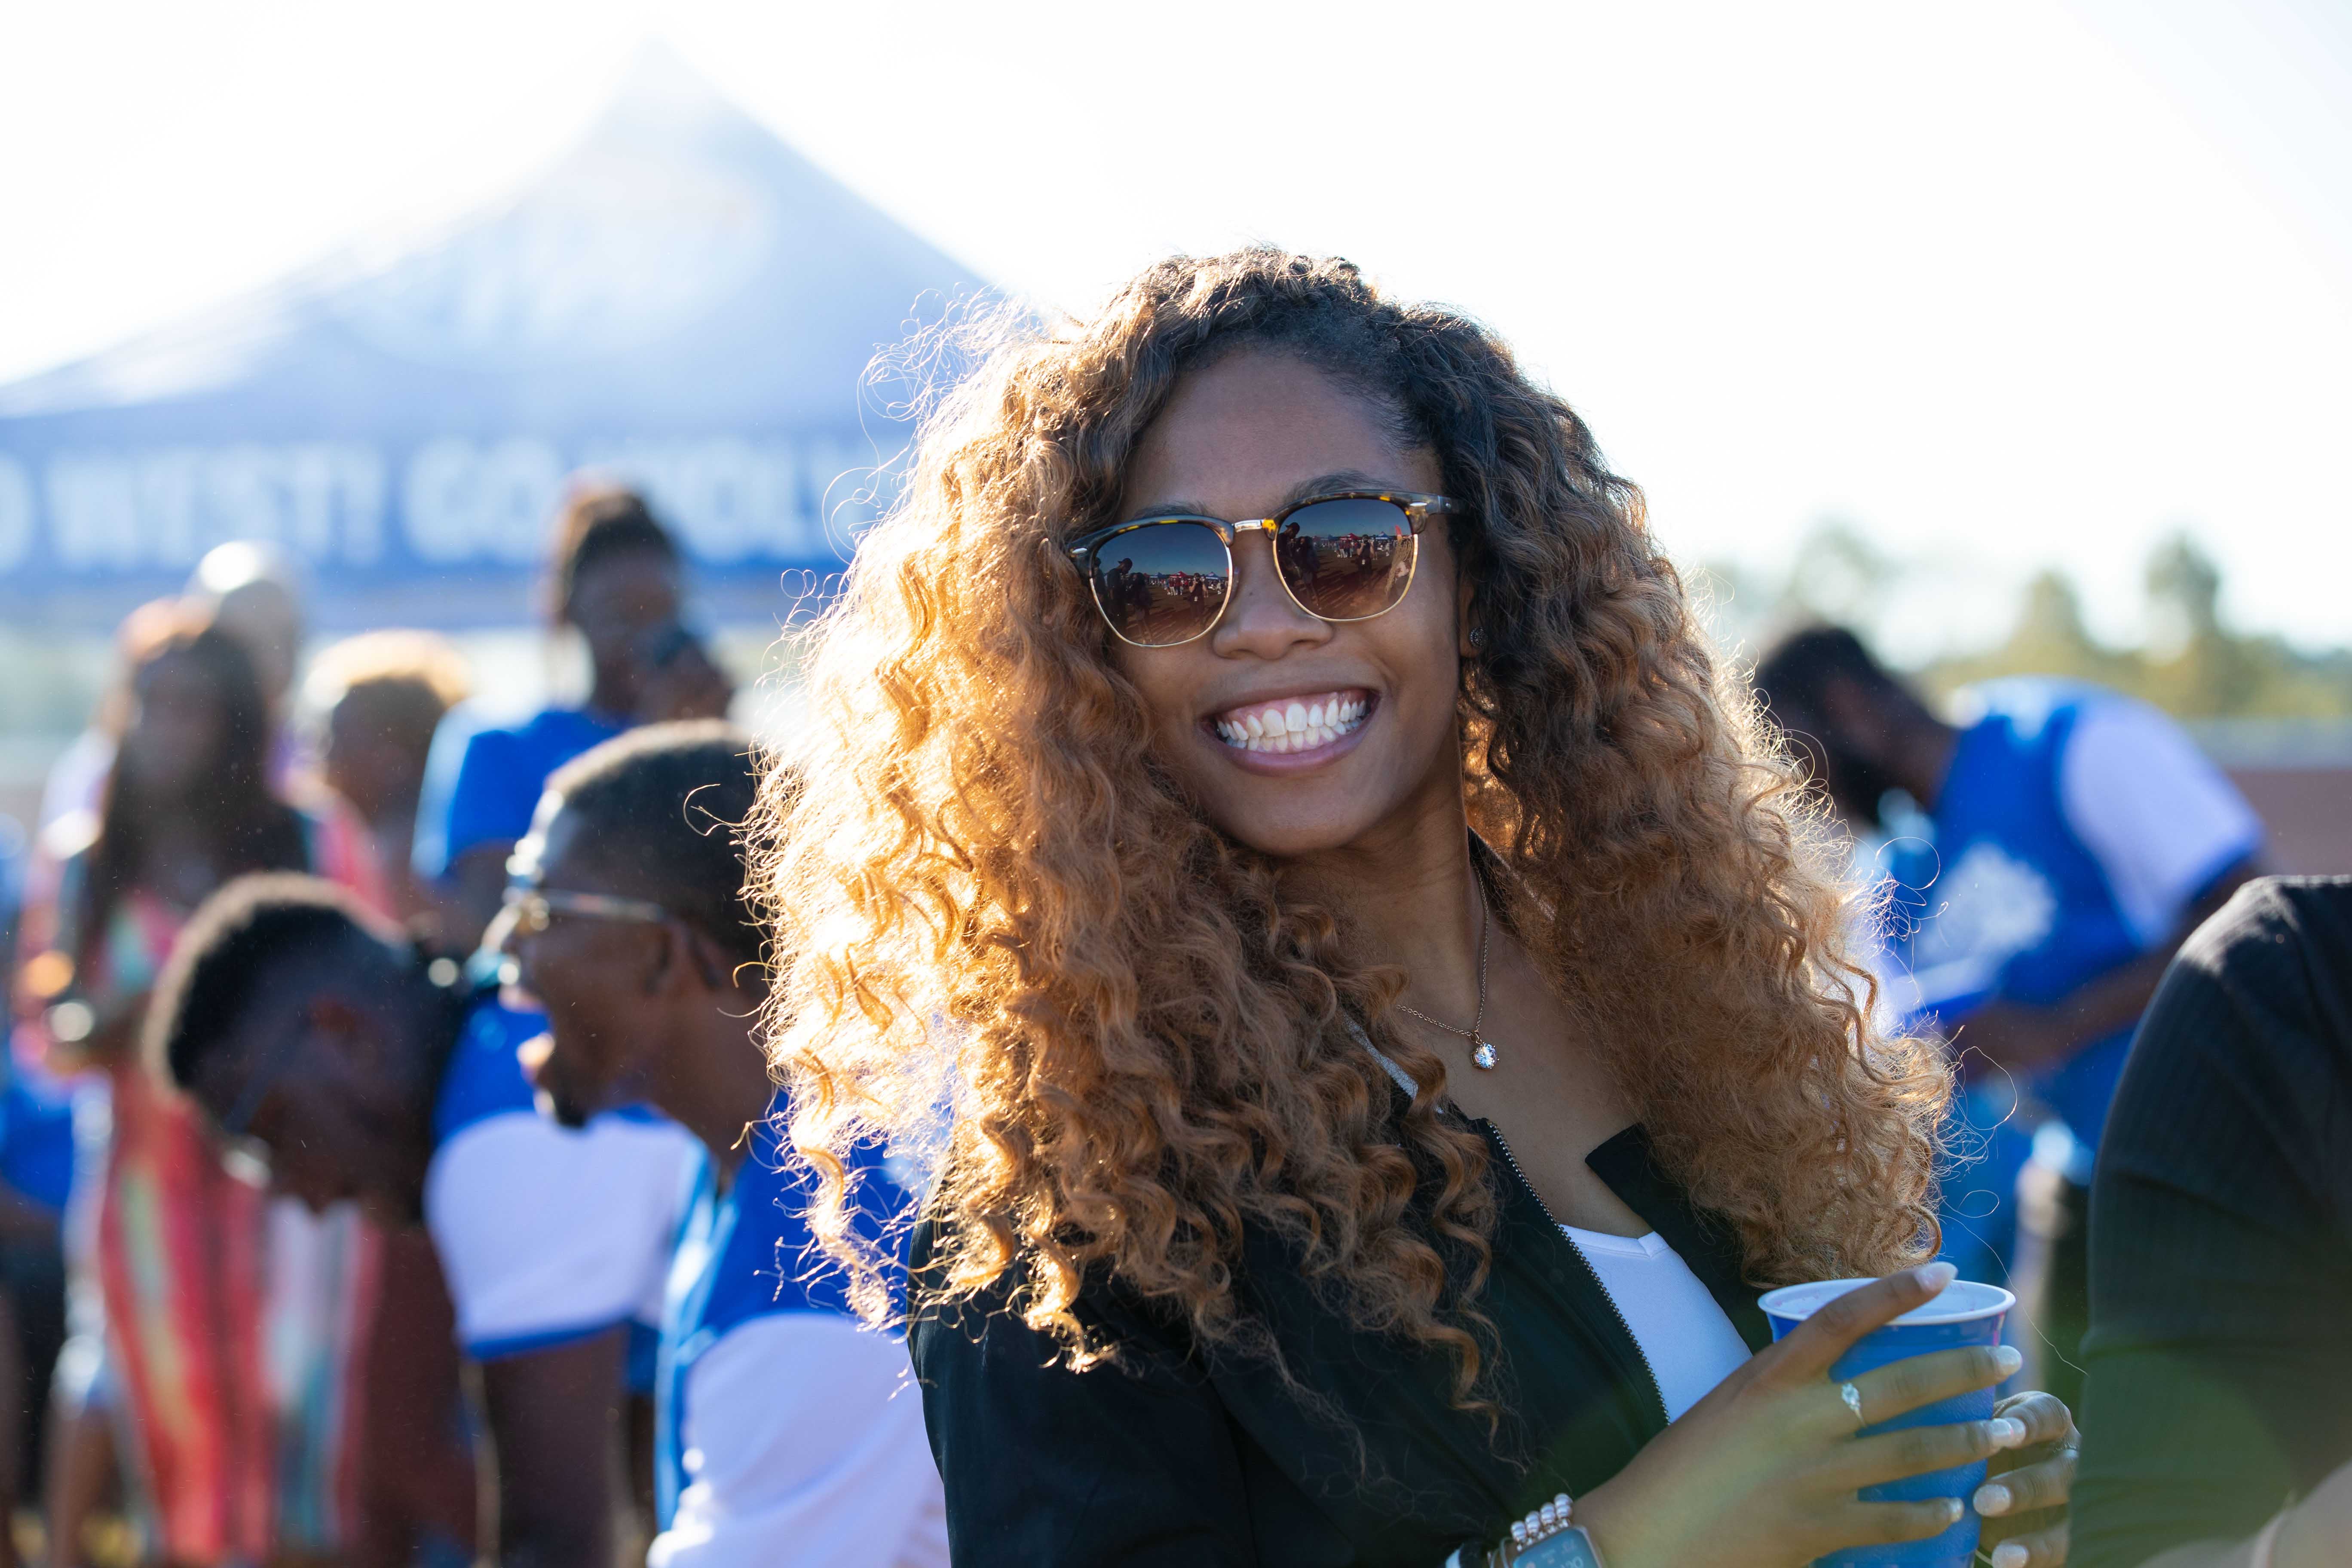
{"x": 2219, "y": 1352}
{"x": 1176, "y": 1453}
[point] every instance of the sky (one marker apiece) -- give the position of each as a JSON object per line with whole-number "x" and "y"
{"x": 2005, "y": 286}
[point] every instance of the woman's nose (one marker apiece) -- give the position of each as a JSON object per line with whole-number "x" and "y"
{"x": 1260, "y": 619}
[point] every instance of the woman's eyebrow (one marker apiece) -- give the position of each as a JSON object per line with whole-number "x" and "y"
{"x": 1167, "y": 509}
{"x": 1325, "y": 484}
{"x": 1306, "y": 489}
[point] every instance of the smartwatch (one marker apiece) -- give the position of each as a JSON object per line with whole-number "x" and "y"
{"x": 1570, "y": 1547}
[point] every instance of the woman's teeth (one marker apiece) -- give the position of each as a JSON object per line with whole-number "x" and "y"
{"x": 1292, "y": 725}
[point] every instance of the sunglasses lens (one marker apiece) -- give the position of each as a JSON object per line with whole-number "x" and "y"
{"x": 1162, "y": 583}
{"x": 1346, "y": 560}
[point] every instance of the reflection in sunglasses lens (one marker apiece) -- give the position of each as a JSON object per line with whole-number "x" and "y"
{"x": 1346, "y": 560}
{"x": 1162, "y": 583}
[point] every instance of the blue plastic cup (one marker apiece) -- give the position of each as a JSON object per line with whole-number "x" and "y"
{"x": 1963, "y": 1313}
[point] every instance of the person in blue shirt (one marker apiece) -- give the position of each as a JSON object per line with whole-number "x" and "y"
{"x": 353, "y": 1065}
{"x": 616, "y": 578}
{"x": 788, "y": 1434}
{"x": 36, "y": 1162}
{"x": 2060, "y": 841}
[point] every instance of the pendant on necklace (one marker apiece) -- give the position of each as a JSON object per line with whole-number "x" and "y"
{"x": 1483, "y": 1055}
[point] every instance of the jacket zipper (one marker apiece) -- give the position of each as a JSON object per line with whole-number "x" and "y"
{"x": 1649, "y": 1372}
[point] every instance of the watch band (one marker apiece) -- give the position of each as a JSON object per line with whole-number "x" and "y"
{"x": 1569, "y": 1547}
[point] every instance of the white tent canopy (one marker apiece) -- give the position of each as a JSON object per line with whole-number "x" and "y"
{"x": 680, "y": 300}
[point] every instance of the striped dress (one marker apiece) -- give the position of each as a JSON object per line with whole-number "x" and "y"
{"x": 234, "y": 1323}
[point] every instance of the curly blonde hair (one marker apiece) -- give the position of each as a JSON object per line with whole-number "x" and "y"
{"x": 991, "y": 901}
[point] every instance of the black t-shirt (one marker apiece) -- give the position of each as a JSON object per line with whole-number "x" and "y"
{"x": 2220, "y": 1353}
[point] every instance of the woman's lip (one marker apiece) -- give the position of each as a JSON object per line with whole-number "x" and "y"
{"x": 1315, "y": 696}
{"x": 1276, "y": 764}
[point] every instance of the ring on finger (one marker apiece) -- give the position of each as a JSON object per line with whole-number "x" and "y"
{"x": 1852, "y": 1397}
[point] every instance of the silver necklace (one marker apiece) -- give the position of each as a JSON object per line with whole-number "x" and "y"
{"x": 1482, "y": 1049}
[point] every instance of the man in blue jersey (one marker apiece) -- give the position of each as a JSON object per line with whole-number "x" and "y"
{"x": 787, "y": 1432}
{"x": 325, "y": 1044}
{"x": 2060, "y": 843}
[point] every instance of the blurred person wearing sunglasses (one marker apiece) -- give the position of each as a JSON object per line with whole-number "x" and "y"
{"x": 1265, "y": 780}
{"x": 786, "y": 1436}
{"x": 325, "y": 1048}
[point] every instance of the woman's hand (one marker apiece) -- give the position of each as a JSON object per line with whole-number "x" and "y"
{"x": 2024, "y": 1500}
{"x": 1763, "y": 1471}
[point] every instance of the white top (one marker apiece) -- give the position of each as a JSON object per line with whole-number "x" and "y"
{"x": 1689, "y": 1344}
{"x": 803, "y": 1445}
{"x": 2154, "y": 812}
{"x": 549, "y": 1234}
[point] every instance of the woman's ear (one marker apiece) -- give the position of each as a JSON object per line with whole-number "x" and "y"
{"x": 1470, "y": 638}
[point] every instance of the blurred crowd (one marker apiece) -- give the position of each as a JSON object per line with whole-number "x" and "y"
{"x": 226, "y": 1341}
{"x": 217, "y": 1363}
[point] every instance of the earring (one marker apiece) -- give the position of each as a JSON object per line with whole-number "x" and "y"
{"x": 1477, "y": 640}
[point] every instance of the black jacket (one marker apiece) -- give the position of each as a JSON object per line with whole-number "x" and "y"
{"x": 1174, "y": 1456}
{"x": 2220, "y": 1353}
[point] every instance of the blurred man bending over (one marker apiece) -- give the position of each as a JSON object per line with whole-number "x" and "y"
{"x": 784, "y": 1438}
{"x": 321, "y": 1041}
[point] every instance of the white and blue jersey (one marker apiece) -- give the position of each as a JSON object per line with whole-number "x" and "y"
{"x": 785, "y": 1432}
{"x": 547, "y": 1234}
{"x": 2074, "y": 831}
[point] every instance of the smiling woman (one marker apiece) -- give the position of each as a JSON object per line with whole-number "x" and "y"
{"x": 1172, "y": 827}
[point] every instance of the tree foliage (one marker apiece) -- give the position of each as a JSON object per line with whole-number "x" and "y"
{"x": 2193, "y": 664}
